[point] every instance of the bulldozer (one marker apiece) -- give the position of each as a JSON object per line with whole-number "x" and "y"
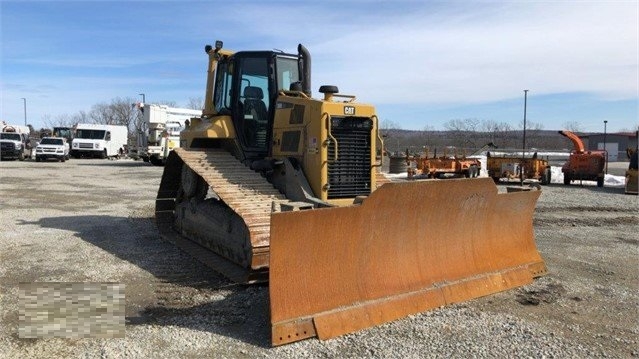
{"x": 272, "y": 184}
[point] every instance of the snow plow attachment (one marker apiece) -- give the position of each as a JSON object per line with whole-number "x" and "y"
{"x": 407, "y": 248}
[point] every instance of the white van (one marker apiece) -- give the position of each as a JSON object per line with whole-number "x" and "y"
{"x": 99, "y": 141}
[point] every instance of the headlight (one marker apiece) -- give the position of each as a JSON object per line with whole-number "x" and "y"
{"x": 96, "y": 145}
{"x": 75, "y": 144}
{"x": 18, "y": 146}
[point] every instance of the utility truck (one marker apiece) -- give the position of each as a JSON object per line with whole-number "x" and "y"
{"x": 163, "y": 125}
{"x": 14, "y": 142}
{"x": 101, "y": 141}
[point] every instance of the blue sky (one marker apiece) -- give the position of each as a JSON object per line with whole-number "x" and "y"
{"x": 421, "y": 63}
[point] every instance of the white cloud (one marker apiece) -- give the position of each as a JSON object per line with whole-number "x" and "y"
{"x": 551, "y": 48}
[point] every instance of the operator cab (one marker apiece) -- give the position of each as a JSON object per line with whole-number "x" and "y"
{"x": 246, "y": 87}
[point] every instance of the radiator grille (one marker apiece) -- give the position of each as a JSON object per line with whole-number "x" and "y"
{"x": 350, "y": 175}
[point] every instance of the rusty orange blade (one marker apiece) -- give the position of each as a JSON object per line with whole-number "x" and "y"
{"x": 408, "y": 248}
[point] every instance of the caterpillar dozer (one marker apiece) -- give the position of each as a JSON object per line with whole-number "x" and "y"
{"x": 271, "y": 184}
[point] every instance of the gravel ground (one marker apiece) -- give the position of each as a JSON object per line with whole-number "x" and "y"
{"x": 92, "y": 221}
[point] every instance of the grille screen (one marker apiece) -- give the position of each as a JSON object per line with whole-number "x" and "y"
{"x": 350, "y": 175}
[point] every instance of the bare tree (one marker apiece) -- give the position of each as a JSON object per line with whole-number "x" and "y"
{"x": 101, "y": 114}
{"x": 62, "y": 120}
{"x": 195, "y": 103}
{"x": 123, "y": 113}
{"x": 167, "y": 103}
{"x": 533, "y": 133}
{"x": 80, "y": 117}
{"x": 387, "y": 124}
{"x": 499, "y": 133}
{"x": 118, "y": 112}
{"x": 632, "y": 129}
{"x": 573, "y": 126}
{"x": 462, "y": 131}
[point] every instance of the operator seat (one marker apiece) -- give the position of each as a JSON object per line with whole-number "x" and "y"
{"x": 253, "y": 103}
{"x": 255, "y": 127}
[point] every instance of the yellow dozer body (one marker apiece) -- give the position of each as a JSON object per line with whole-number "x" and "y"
{"x": 272, "y": 184}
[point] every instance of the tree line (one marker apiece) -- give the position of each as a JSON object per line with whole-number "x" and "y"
{"x": 471, "y": 135}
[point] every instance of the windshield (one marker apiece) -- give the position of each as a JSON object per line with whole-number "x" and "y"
{"x": 62, "y": 132}
{"x": 90, "y": 134}
{"x": 287, "y": 72}
{"x": 10, "y": 136}
{"x": 51, "y": 141}
{"x": 223, "y": 81}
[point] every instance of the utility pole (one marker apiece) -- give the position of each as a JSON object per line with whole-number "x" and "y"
{"x": 24, "y": 100}
{"x": 604, "y": 146}
{"x": 143, "y": 97}
{"x": 523, "y": 152}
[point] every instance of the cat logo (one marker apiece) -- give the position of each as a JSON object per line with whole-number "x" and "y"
{"x": 349, "y": 110}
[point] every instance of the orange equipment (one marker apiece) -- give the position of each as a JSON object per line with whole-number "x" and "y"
{"x": 513, "y": 166}
{"x": 582, "y": 164}
{"x": 456, "y": 165}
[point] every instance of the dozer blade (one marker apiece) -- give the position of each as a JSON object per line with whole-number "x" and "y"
{"x": 408, "y": 248}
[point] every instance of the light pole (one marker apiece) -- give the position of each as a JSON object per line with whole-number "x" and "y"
{"x": 24, "y": 100}
{"x": 143, "y": 97}
{"x": 604, "y": 146}
{"x": 523, "y": 151}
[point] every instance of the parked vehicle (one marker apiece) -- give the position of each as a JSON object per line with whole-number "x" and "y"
{"x": 513, "y": 166}
{"x": 453, "y": 165}
{"x": 52, "y": 147}
{"x": 66, "y": 132}
{"x": 101, "y": 141}
{"x": 582, "y": 164}
{"x": 14, "y": 142}
{"x": 164, "y": 125}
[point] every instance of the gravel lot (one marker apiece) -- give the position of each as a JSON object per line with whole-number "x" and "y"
{"x": 92, "y": 221}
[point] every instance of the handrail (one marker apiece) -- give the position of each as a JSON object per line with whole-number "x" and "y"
{"x": 293, "y": 93}
{"x": 351, "y": 98}
{"x": 381, "y": 141}
{"x": 328, "y": 128}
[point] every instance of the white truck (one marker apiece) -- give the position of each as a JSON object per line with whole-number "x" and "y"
{"x": 162, "y": 134}
{"x": 14, "y": 142}
{"x": 101, "y": 141}
{"x": 52, "y": 147}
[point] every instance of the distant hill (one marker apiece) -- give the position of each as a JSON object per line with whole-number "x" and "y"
{"x": 398, "y": 140}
